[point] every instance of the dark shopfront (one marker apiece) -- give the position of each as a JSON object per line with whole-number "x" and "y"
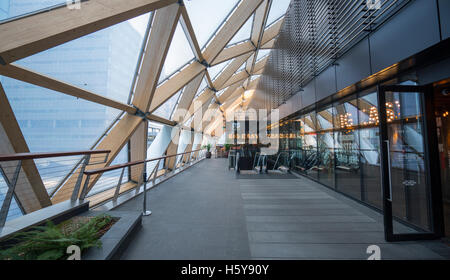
{"x": 385, "y": 142}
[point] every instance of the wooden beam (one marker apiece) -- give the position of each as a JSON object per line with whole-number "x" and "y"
{"x": 269, "y": 45}
{"x": 228, "y": 92}
{"x": 209, "y": 80}
{"x": 260, "y": 64}
{"x": 237, "y": 93}
{"x": 42, "y": 31}
{"x": 208, "y": 115}
{"x": 234, "y": 51}
{"x": 186, "y": 99}
{"x": 138, "y": 151}
{"x": 249, "y": 64}
{"x": 235, "y": 78}
{"x": 114, "y": 141}
{"x": 163, "y": 28}
{"x": 253, "y": 84}
{"x": 230, "y": 28}
{"x": 161, "y": 34}
{"x": 170, "y": 87}
{"x": 214, "y": 114}
{"x": 259, "y": 22}
{"x": 272, "y": 31}
{"x": 190, "y": 34}
{"x": 259, "y": 72}
{"x": 230, "y": 70}
{"x": 158, "y": 119}
{"x": 172, "y": 149}
{"x": 30, "y": 190}
{"x": 23, "y": 74}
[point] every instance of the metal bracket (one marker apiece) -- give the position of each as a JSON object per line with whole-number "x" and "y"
{"x": 204, "y": 63}
{"x": 180, "y": 2}
{"x": 117, "y": 191}
{"x": 141, "y": 114}
{"x": 2, "y": 61}
{"x": 76, "y": 189}
{"x": 9, "y": 194}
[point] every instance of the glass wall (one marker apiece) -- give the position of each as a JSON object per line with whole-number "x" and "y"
{"x": 346, "y": 142}
{"x": 338, "y": 145}
{"x": 369, "y": 143}
{"x": 325, "y": 147}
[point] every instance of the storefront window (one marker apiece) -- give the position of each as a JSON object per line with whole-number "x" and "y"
{"x": 346, "y": 144}
{"x": 325, "y": 147}
{"x": 369, "y": 143}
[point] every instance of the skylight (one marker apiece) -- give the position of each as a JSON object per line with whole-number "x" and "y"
{"x": 277, "y": 9}
{"x": 244, "y": 33}
{"x": 215, "y": 70}
{"x": 261, "y": 54}
{"x": 206, "y": 16}
{"x": 179, "y": 53}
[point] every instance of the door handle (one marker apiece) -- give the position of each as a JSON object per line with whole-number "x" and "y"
{"x": 389, "y": 168}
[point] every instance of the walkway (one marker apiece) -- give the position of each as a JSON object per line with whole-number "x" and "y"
{"x": 206, "y": 213}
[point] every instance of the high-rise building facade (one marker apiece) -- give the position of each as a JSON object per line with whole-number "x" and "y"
{"x": 102, "y": 62}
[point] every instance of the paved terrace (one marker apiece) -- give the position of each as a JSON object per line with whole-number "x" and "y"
{"x": 206, "y": 213}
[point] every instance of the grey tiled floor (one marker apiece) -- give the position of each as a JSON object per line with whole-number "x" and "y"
{"x": 206, "y": 213}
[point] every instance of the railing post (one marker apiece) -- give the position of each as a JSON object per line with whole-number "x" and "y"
{"x": 84, "y": 191}
{"x": 236, "y": 166}
{"x": 145, "y": 212}
{"x": 189, "y": 158}
{"x": 9, "y": 194}
{"x": 117, "y": 192}
{"x": 155, "y": 173}
{"x": 76, "y": 189}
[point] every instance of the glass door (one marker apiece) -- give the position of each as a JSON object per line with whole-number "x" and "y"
{"x": 405, "y": 137}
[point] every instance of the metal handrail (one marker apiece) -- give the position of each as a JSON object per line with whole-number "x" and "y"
{"x": 133, "y": 163}
{"x": 25, "y": 156}
{"x": 144, "y": 177}
{"x": 278, "y": 157}
{"x": 20, "y": 157}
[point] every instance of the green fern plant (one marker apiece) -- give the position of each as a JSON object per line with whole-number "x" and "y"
{"x": 50, "y": 242}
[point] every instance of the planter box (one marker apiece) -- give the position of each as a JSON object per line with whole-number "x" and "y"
{"x": 117, "y": 238}
{"x": 114, "y": 241}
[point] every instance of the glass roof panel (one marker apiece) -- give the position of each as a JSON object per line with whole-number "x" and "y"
{"x": 261, "y": 54}
{"x": 219, "y": 93}
{"x": 277, "y": 9}
{"x": 165, "y": 111}
{"x": 206, "y": 16}
{"x": 241, "y": 68}
{"x": 254, "y": 77}
{"x": 244, "y": 33}
{"x": 215, "y": 70}
{"x": 179, "y": 54}
{"x": 202, "y": 86}
{"x": 54, "y": 122}
{"x": 14, "y": 8}
{"x": 103, "y": 62}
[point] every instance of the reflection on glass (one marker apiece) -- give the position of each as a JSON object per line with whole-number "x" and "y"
{"x": 14, "y": 8}
{"x": 346, "y": 139}
{"x": 406, "y": 152}
{"x": 369, "y": 143}
{"x": 442, "y": 108}
{"x": 325, "y": 147}
{"x": 309, "y": 145}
